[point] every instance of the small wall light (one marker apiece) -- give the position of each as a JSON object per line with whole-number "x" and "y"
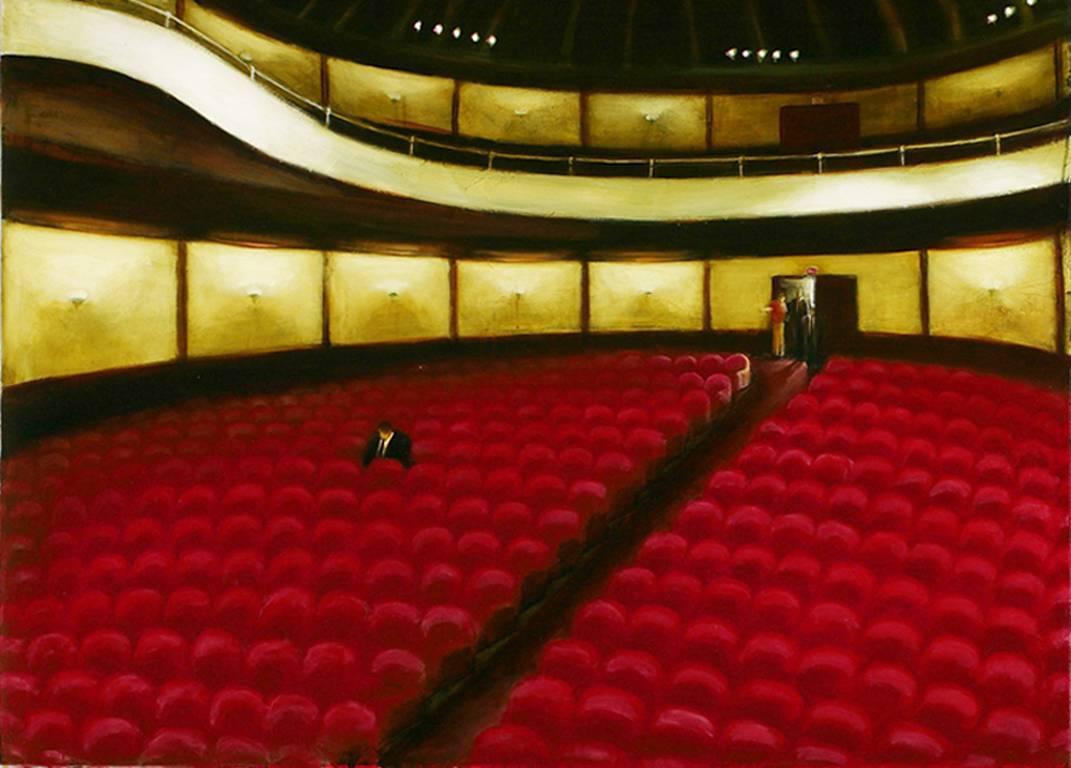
{"x": 437, "y": 29}
{"x": 731, "y": 53}
{"x": 492, "y": 40}
{"x": 456, "y": 33}
{"x": 78, "y": 298}
{"x": 1009, "y": 11}
{"x": 475, "y": 37}
{"x": 394, "y": 97}
{"x": 254, "y": 292}
{"x": 651, "y": 118}
{"x": 648, "y": 292}
{"x": 991, "y": 18}
{"x": 418, "y": 26}
{"x": 746, "y": 53}
{"x": 775, "y": 56}
{"x": 762, "y": 54}
{"x": 520, "y": 112}
{"x": 794, "y": 55}
{"x": 393, "y": 294}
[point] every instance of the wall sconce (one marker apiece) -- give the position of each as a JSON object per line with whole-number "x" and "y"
{"x": 651, "y": 118}
{"x": 394, "y": 97}
{"x": 437, "y": 29}
{"x": 246, "y": 57}
{"x": 520, "y": 112}
{"x": 794, "y": 55}
{"x": 492, "y": 40}
{"x": 254, "y": 292}
{"x": 775, "y": 56}
{"x": 762, "y": 54}
{"x": 78, "y": 298}
{"x": 518, "y": 293}
{"x": 475, "y": 37}
{"x": 418, "y": 26}
{"x": 392, "y": 294}
{"x": 731, "y": 53}
{"x": 648, "y": 292}
{"x": 456, "y": 33}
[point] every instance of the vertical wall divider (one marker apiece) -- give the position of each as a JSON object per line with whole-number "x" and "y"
{"x": 182, "y": 295}
{"x": 585, "y": 297}
{"x": 453, "y": 298}
{"x": 455, "y": 108}
{"x": 585, "y": 129}
{"x": 924, "y": 290}
{"x": 180, "y": 9}
{"x": 325, "y": 300}
{"x": 707, "y": 314}
{"x": 710, "y": 121}
{"x": 1058, "y": 67}
{"x": 1061, "y": 295}
{"x": 325, "y": 81}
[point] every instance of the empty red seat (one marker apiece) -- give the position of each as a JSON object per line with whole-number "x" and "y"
{"x": 826, "y": 672}
{"x": 545, "y": 704}
{"x": 237, "y": 712}
{"x": 509, "y": 745}
{"x": 681, "y": 732}
{"x": 111, "y": 741}
{"x": 838, "y": 724}
{"x": 609, "y": 714}
{"x": 348, "y": 728}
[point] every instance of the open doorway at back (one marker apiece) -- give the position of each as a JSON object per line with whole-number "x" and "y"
{"x": 822, "y": 317}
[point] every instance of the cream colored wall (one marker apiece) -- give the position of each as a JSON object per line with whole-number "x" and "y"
{"x": 646, "y": 296}
{"x": 390, "y": 96}
{"x": 887, "y": 284}
{"x": 521, "y": 115}
{"x": 244, "y": 300}
{"x": 507, "y": 298}
{"x": 1009, "y": 87}
{"x": 754, "y": 119}
{"x": 296, "y": 67}
{"x": 1005, "y": 293}
{"x": 376, "y": 298}
{"x": 77, "y": 302}
{"x": 647, "y": 121}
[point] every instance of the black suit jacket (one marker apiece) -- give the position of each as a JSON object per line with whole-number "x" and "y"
{"x": 399, "y": 449}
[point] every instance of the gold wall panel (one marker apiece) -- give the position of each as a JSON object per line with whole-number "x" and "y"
{"x": 519, "y": 115}
{"x": 244, "y": 300}
{"x": 1009, "y": 87}
{"x": 297, "y": 68}
{"x": 887, "y": 284}
{"x": 646, "y": 296}
{"x": 506, "y": 298}
{"x": 754, "y": 119}
{"x": 1064, "y": 53}
{"x": 998, "y": 294}
{"x": 77, "y": 302}
{"x": 647, "y": 121}
{"x": 390, "y": 96}
{"x": 375, "y": 298}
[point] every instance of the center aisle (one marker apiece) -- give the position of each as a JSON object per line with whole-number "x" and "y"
{"x": 457, "y": 716}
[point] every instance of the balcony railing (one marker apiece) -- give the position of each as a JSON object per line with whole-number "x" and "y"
{"x": 462, "y": 151}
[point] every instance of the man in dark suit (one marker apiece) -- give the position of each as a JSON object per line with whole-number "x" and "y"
{"x": 387, "y": 443}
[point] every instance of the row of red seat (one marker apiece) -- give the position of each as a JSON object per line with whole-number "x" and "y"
{"x": 223, "y": 581}
{"x": 813, "y": 607}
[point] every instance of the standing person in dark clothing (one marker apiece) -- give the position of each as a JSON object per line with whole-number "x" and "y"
{"x": 387, "y": 443}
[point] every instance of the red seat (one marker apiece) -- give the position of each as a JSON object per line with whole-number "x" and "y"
{"x": 160, "y": 654}
{"x": 48, "y": 731}
{"x": 74, "y": 691}
{"x": 726, "y": 486}
{"x": 182, "y": 704}
{"x": 893, "y": 641}
{"x": 830, "y": 624}
{"x": 292, "y": 719}
{"x": 635, "y": 671}
{"x": 570, "y": 659}
{"x": 50, "y": 653}
{"x": 768, "y": 655}
{"x": 105, "y": 651}
{"x": 348, "y": 728}
{"x": 698, "y": 520}
{"x": 285, "y": 613}
{"x": 111, "y": 741}
{"x": 681, "y": 732}
{"x": 489, "y": 590}
{"x": 237, "y": 712}
{"x": 128, "y": 696}
{"x": 509, "y": 745}
{"x": 545, "y": 704}
{"x": 600, "y": 622}
{"x": 610, "y": 714}
{"x": 171, "y": 746}
{"x": 888, "y": 690}
{"x": 398, "y": 674}
{"x": 1012, "y": 735}
{"x": 328, "y": 671}
{"x": 838, "y": 724}
{"x": 1008, "y": 680}
{"x": 661, "y": 550}
{"x": 826, "y": 673}
{"x": 909, "y": 743}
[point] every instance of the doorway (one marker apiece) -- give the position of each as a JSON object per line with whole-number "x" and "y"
{"x": 823, "y": 315}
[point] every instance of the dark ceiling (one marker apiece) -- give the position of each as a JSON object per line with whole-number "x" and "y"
{"x": 613, "y": 39}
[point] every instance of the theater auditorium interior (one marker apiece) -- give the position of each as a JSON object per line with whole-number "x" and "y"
{"x": 724, "y": 344}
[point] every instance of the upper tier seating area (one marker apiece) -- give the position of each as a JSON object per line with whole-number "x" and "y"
{"x": 881, "y": 575}
{"x": 221, "y": 581}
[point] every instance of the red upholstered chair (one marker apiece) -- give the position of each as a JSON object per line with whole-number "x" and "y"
{"x": 432, "y": 544}
{"x": 488, "y": 591}
{"x": 834, "y": 539}
{"x": 937, "y": 525}
{"x": 333, "y": 534}
{"x": 547, "y": 705}
{"x": 791, "y": 532}
{"x": 848, "y": 583}
{"x": 111, "y": 741}
{"x": 292, "y": 566}
{"x": 570, "y": 659}
{"x": 830, "y": 624}
{"x": 440, "y": 583}
{"x": 236, "y": 610}
{"x": 832, "y": 468}
{"x": 161, "y": 654}
{"x": 901, "y": 596}
{"x": 661, "y": 551}
{"x": 747, "y": 525}
{"x": 188, "y": 610}
{"x": 509, "y": 745}
{"x": 767, "y": 489}
{"x": 770, "y": 701}
{"x": 1020, "y": 589}
{"x": 216, "y": 656}
{"x": 467, "y": 514}
{"x": 1026, "y": 551}
{"x": 397, "y": 674}
{"x": 610, "y": 714}
{"x": 588, "y": 497}
{"x": 505, "y": 483}
{"x": 775, "y": 610}
{"x": 340, "y": 616}
{"x": 1012, "y": 734}
{"x": 285, "y": 613}
{"x": 73, "y": 690}
{"x": 390, "y": 579}
{"x": 291, "y": 501}
{"x": 654, "y": 628}
{"x": 681, "y": 732}
{"x": 348, "y": 728}
{"x": 768, "y": 655}
{"x": 526, "y": 555}
{"x": 839, "y": 724}
{"x": 1035, "y": 516}
{"x": 50, "y": 653}
{"x": 896, "y": 642}
{"x": 291, "y": 719}
{"x": 910, "y": 743}
{"x": 174, "y": 746}
{"x": 548, "y": 490}
{"x": 273, "y": 665}
{"x": 600, "y": 622}
{"x": 237, "y": 712}
{"x": 797, "y": 572}
{"x": 699, "y": 519}
{"x": 726, "y": 486}
{"x": 446, "y": 629}
{"x": 826, "y": 672}
{"x": 887, "y": 690}
{"x": 752, "y": 564}
{"x": 285, "y": 531}
{"x": 49, "y": 731}
{"x": 128, "y": 696}
{"x": 956, "y": 615}
{"x": 338, "y": 571}
{"x": 1008, "y": 679}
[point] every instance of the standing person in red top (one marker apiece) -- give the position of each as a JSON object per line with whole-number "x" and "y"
{"x": 778, "y": 310}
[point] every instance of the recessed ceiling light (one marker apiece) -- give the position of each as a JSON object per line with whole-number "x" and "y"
{"x": 794, "y": 55}
{"x": 731, "y": 53}
{"x": 437, "y": 29}
{"x": 456, "y": 33}
{"x": 1009, "y": 11}
{"x": 746, "y": 53}
{"x": 418, "y": 26}
{"x": 991, "y": 18}
{"x": 1031, "y": 3}
{"x": 475, "y": 37}
{"x": 762, "y": 54}
{"x": 776, "y": 56}
{"x": 492, "y": 40}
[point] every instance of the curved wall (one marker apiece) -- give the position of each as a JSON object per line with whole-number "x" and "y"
{"x": 77, "y": 302}
{"x": 650, "y": 122}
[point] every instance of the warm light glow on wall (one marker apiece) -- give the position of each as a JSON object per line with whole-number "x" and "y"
{"x": 506, "y": 298}
{"x": 374, "y": 298}
{"x": 996, "y": 294}
{"x": 390, "y": 96}
{"x": 1009, "y": 87}
{"x": 244, "y": 300}
{"x": 519, "y": 115}
{"x": 888, "y": 289}
{"x": 647, "y": 121}
{"x": 646, "y": 296}
{"x": 77, "y": 302}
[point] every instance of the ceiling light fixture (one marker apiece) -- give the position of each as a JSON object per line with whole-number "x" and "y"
{"x": 762, "y": 54}
{"x": 437, "y": 29}
{"x": 492, "y": 40}
{"x": 475, "y": 37}
{"x": 794, "y": 55}
{"x": 746, "y": 53}
{"x": 1009, "y": 11}
{"x": 991, "y": 18}
{"x": 418, "y": 26}
{"x": 731, "y": 53}
{"x": 775, "y": 56}
{"x": 1031, "y": 3}
{"x": 456, "y": 33}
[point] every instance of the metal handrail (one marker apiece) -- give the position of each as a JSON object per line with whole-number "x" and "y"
{"x": 648, "y": 165}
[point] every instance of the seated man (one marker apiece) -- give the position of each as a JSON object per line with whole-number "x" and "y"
{"x": 386, "y": 443}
